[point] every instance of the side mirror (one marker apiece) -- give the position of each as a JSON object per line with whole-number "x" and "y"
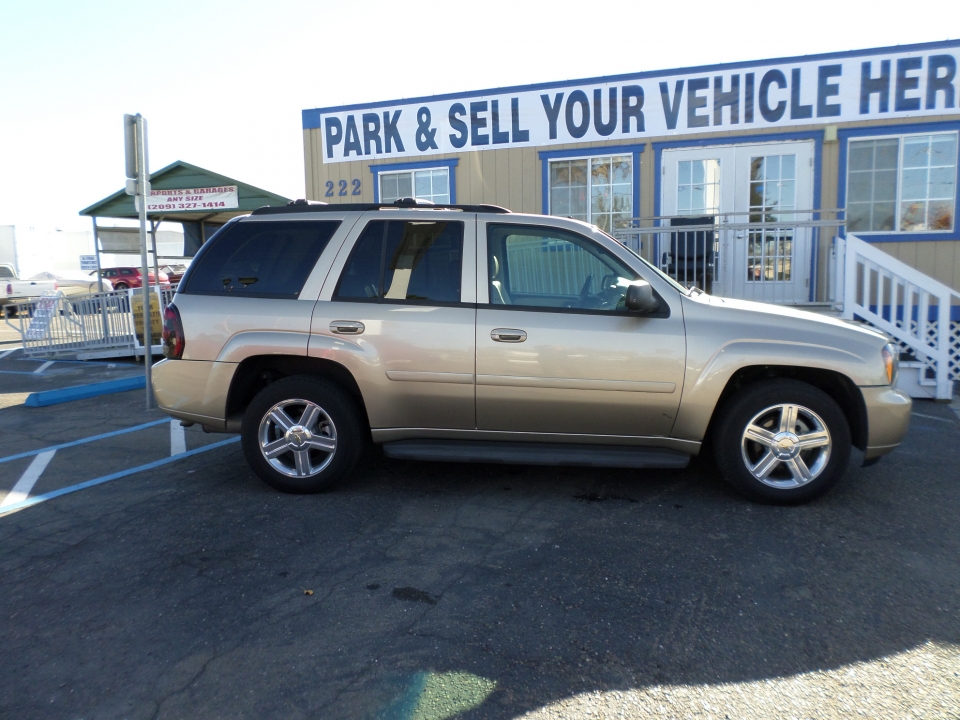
{"x": 640, "y": 298}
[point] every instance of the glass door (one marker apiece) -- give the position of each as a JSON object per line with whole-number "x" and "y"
{"x": 698, "y": 187}
{"x": 771, "y": 257}
{"x": 751, "y": 194}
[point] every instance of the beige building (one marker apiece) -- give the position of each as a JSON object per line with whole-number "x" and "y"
{"x": 775, "y": 151}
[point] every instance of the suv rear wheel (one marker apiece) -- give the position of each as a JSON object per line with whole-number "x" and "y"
{"x": 301, "y": 434}
{"x": 782, "y": 441}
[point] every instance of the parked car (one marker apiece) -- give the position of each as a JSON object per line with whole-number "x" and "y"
{"x": 73, "y": 287}
{"x": 174, "y": 272}
{"x": 472, "y": 334}
{"x": 130, "y": 277}
{"x": 14, "y": 290}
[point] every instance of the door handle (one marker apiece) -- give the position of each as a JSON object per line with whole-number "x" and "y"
{"x": 346, "y": 327}
{"x": 509, "y": 335}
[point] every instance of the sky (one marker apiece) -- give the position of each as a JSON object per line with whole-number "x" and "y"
{"x": 222, "y": 84}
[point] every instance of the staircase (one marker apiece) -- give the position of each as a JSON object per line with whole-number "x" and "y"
{"x": 921, "y": 314}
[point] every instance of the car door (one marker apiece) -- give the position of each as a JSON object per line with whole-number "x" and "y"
{"x": 557, "y": 352}
{"x": 398, "y": 311}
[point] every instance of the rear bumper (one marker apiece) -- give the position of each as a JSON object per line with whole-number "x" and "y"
{"x": 194, "y": 390}
{"x": 888, "y": 417}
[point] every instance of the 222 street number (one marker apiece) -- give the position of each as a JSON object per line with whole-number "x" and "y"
{"x": 343, "y": 188}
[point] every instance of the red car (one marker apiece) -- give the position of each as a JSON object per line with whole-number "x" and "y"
{"x": 130, "y": 277}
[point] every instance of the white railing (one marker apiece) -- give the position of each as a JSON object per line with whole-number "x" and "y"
{"x": 738, "y": 255}
{"x": 911, "y": 307}
{"x": 86, "y": 325}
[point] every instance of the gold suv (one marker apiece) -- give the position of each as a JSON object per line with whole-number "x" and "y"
{"x": 473, "y": 334}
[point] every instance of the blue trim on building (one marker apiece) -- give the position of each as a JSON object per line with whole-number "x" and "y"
{"x": 933, "y": 312}
{"x": 311, "y": 117}
{"x": 547, "y": 155}
{"x": 920, "y": 128}
{"x": 451, "y": 165}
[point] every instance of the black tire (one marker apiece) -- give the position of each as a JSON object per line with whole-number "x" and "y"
{"x": 738, "y": 456}
{"x": 339, "y": 421}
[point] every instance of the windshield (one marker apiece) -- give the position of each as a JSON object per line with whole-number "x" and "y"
{"x": 660, "y": 273}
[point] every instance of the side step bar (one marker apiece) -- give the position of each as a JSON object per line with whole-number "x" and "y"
{"x": 521, "y": 453}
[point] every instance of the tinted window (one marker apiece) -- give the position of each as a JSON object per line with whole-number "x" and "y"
{"x": 399, "y": 260}
{"x": 547, "y": 267}
{"x": 6, "y": 272}
{"x": 260, "y": 259}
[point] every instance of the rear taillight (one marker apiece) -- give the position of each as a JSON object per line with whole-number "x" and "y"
{"x": 9, "y": 288}
{"x": 173, "y": 340}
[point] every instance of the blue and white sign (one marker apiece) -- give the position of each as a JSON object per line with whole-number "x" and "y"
{"x": 913, "y": 81}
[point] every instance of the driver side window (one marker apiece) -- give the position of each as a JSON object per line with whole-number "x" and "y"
{"x": 544, "y": 267}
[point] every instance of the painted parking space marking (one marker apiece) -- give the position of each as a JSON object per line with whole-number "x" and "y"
{"x": 21, "y": 491}
{"x": 178, "y": 441}
{"x": 39, "y": 370}
{"x": 36, "y": 499}
{"x": 932, "y": 417}
{"x": 83, "y": 441}
{"x": 5, "y": 353}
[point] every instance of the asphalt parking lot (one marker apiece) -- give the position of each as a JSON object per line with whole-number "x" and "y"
{"x": 191, "y": 589}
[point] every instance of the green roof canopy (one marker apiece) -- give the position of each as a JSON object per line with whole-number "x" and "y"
{"x": 178, "y": 176}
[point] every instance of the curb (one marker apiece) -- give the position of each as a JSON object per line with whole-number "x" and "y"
{"x": 81, "y": 392}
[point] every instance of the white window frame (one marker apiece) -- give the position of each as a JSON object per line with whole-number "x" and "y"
{"x": 590, "y": 159}
{"x": 900, "y": 137}
{"x": 413, "y": 180}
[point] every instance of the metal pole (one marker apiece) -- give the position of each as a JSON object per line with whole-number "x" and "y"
{"x": 142, "y": 179}
{"x": 96, "y": 247}
{"x": 156, "y": 260}
{"x": 103, "y": 305}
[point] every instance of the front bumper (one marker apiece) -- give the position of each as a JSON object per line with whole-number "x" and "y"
{"x": 888, "y": 417}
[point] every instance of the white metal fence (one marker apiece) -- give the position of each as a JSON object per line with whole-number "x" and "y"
{"x": 98, "y": 325}
{"x": 735, "y": 254}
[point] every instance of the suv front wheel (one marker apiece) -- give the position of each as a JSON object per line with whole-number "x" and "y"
{"x": 782, "y": 441}
{"x": 301, "y": 434}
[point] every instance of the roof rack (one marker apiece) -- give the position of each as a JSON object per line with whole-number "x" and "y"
{"x": 301, "y": 205}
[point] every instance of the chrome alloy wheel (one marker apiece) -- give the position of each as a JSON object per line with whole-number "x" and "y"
{"x": 786, "y": 446}
{"x": 297, "y": 448}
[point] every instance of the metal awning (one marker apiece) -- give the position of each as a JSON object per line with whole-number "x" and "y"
{"x": 179, "y": 176}
{"x": 198, "y": 226}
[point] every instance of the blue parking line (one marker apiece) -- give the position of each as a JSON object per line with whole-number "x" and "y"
{"x": 115, "y": 476}
{"x": 84, "y": 440}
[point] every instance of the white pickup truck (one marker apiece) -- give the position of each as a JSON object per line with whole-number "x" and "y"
{"x": 14, "y": 290}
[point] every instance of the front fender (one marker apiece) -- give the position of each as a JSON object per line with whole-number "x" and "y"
{"x": 705, "y": 381}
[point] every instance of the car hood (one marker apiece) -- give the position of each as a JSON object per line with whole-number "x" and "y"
{"x": 786, "y": 315}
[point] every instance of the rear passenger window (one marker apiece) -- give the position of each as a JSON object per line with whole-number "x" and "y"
{"x": 260, "y": 259}
{"x": 405, "y": 260}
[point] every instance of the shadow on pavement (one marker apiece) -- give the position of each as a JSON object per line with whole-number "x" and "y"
{"x": 488, "y": 590}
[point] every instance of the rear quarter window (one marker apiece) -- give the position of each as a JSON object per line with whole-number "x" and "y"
{"x": 260, "y": 259}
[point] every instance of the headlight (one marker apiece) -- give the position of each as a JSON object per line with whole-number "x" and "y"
{"x": 891, "y": 361}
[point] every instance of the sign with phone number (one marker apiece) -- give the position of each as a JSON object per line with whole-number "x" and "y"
{"x": 225, "y": 197}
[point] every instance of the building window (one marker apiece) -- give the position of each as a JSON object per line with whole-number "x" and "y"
{"x": 698, "y": 187}
{"x": 902, "y": 184}
{"x": 597, "y": 190}
{"x": 431, "y": 184}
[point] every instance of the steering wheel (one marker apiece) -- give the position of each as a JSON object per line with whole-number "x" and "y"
{"x": 585, "y": 292}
